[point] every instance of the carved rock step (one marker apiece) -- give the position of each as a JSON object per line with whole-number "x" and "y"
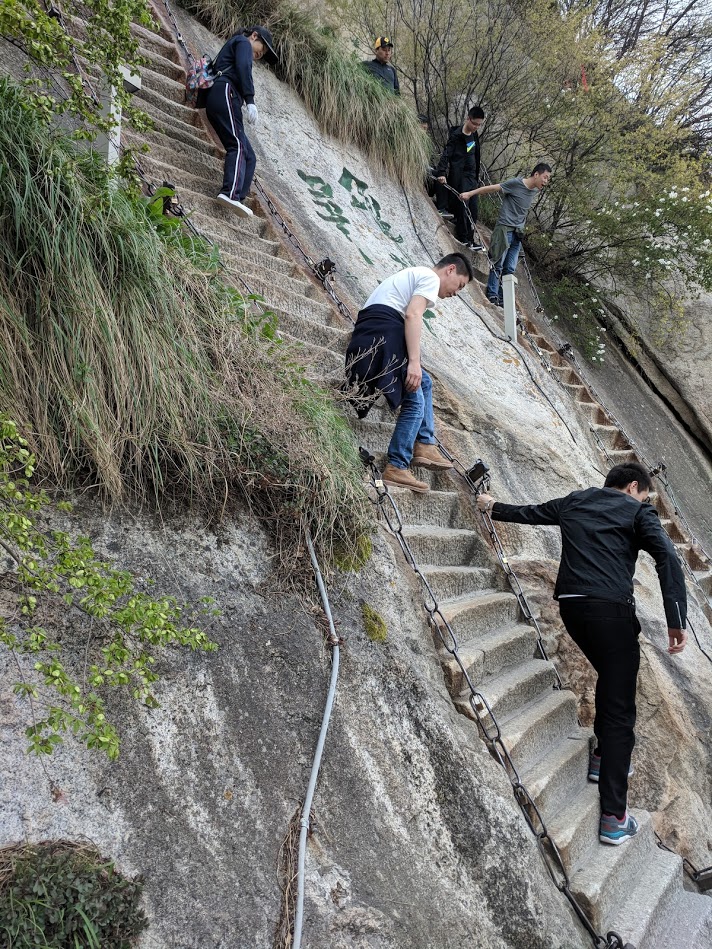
{"x": 688, "y": 926}
{"x": 313, "y": 331}
{"x": 161, "y": 43}
{"x": 169, "y": 88}
{"x": 611, "y": 437}
{"x": 652, "y": 894}
{"x": 533, "y": 730}
{"x": 235, "y": 238}
{"x": 181, "y": 155}
{"x": 512, "y": 689}
{"x": 157, "y": 63}
{"x": 164, "y": 111}
{"x": 173, "y": 130}
{"x": 471, "y": 616}
{"x": 574, "y": 827}
{"x": 621, "y": 456}
{"x": 292, "y": 293}
{"x": 553, "y": 779}
{"x": 486, "y": 656}
{"x": 606, "y": 872}
{"x": 437, "y": 508}
{"x": 306, "y": 353}
{"x": 452, "y": 582}
{"x": 445, "y": 546}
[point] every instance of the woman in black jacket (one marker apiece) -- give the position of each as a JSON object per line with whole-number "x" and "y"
{"x": 232, "y": 89}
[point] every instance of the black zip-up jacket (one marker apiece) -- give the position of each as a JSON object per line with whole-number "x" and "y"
{"x": 460, "y": 160}
{"x": 602, "y": 532}
{"x": 234, "y": 63}
{"x": 384, "y": 72}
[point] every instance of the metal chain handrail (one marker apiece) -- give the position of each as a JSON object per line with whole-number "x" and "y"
{"x": 323, "y": 270}
{"x": 702, "y": 877}
{"x": 482, "y": 710}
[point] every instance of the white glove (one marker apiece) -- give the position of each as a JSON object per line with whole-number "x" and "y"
{"x": 252, "y": 114}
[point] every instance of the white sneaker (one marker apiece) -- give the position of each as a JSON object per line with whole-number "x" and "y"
{"x": 236, "y": 206}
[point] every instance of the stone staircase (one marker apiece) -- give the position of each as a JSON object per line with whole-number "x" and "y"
{"x": 635, "y": 889}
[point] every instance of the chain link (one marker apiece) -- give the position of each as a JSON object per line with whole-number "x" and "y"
{"x": 485, "y": 717}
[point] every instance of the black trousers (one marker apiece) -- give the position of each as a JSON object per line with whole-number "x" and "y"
{"x": 607, "y": 634}
{"x": 224, "y": 111}
{"x": 463, "y": 228}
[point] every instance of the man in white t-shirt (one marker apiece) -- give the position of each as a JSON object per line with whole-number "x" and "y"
{"x": 383, "y": 356}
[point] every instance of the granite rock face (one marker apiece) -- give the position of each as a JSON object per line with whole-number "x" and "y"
{"x": 417, "y": 840}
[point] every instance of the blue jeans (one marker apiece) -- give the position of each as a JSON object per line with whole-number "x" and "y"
{"x": 415, "y": 423}
{"x": 507, "y": 264}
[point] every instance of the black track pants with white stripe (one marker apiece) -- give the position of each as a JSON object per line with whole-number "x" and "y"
{"x": 224, "y": 112}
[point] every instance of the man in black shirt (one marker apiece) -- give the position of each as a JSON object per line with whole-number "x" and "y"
{"x": 380, "y": 67}
{"x": 460, "y": 165}
{"x": 602, "y": 532}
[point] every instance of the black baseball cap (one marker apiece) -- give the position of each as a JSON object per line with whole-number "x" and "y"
{"x": 266, "y": 37}
{"x": 382, "y": 41}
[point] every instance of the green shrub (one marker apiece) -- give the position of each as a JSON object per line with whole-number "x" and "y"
{"x": 130, "y": 366}
{"x": 59, "y": 895}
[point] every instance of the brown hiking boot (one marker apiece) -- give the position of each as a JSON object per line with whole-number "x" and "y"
{"x": 402, "y": 478}
{"x": 429, "y": 456}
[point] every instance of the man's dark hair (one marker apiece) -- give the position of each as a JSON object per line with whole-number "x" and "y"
{"x": 541, "y": 167}
{"x": 462, "y": 264}
{"x": 476, "y": 112}
{"x": 622, "y": 475}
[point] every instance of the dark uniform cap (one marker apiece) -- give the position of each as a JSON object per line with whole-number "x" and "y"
{"x": 266, "y": 37}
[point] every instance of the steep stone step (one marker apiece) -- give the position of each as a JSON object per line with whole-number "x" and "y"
{"x": 235, "y": 238}
{"x": 453, "y": 582}
{"x": 644, "y": 914}
{"x": 704, "y": 578}
{"x": 444, "y": 545}
{"x": 161, "y": 65}
{"x": 672, "y": 530}
{"x": 556, "y": 777}
{"x": 201, "y": 203}
{"x": 487, "y": 655}
{"x": 607, "y": 871}
{"x": 532, "y": 731}
{"x": 161, "y": 43}
{"x": 621, "y": 456}
{"x": 512, "y": 689}
{"x": 470, "y": 616}
{"x": 591, "y": 410}
{"x": 168, "y": 115}
{"x": 174, "y": 132}
{"x": 611, "y": 436}
{"x": 688, "y": 924}
{"x": 574, "y": 828}
{"x": 186, "y": 157}
{"x": 169, "y": 88}
{"x": 437, "y": 508}
{"x": 309, "y": 353}
{"x": 313, "y": 331}
{"x": 283, "y": 292}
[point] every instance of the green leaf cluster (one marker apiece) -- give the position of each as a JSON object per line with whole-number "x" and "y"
{"x": 126, "y": 631}
{"x": 58, "y": 895}
{"x": 75, "y": 56}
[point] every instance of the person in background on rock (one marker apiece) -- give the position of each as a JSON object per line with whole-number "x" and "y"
{"x": 232, "y": 89}
{"x": 459, "y": 167}
{"x": 384, "y": 356}
{"x": 380, "y": 67}
{"x": 517, "y": 196}
{"x": 602, "y": 532}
